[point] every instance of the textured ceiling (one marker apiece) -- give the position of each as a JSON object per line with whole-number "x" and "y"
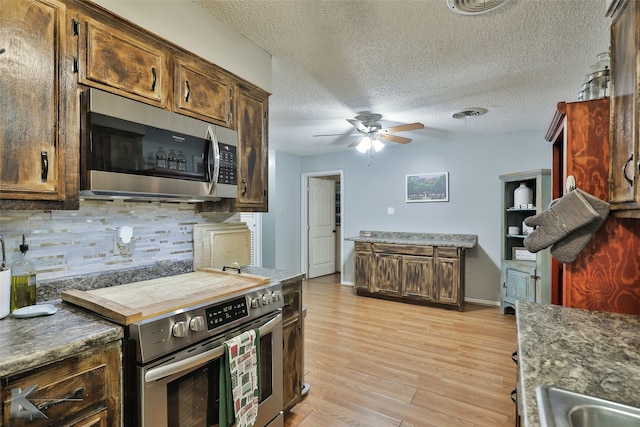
{"x": 416, "y": 61}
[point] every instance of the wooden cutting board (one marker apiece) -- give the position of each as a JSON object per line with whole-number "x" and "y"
{"x": 133, "y": 302}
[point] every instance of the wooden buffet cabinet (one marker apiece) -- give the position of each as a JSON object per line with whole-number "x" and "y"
{"x": 84, "y": 45}
{"x": 416, "y": 272}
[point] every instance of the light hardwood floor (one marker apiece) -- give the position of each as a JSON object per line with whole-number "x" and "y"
{"x": 373, "y": 362}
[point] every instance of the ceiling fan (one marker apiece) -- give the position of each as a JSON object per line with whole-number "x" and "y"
{"x": 371, "y": 132}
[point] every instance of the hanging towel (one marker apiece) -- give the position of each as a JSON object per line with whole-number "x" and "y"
{"x": 240, "y": 381}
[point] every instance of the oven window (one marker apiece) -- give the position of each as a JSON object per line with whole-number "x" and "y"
{"x": 193, "y": 400}
{"x": 266, "y": 372}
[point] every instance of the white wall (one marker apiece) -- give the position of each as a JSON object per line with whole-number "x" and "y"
{"x": 188, "y": 25}
{"x": 474, "y": 165}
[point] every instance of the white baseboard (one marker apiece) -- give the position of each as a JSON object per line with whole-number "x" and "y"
{"x": 482, "y": 301}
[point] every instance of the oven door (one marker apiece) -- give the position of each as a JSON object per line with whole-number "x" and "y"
{"x": 182, "y": 390}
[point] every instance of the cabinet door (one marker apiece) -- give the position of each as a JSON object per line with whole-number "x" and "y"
{"x": 33, "y": 41}
{"x": 388, "y": 274}
{"x": 293, "y": 345}
{"x": 448, "y": 278}
{"x": 519, "y": 282}
{"x": 252, "y": 115}
{"x": 623, "y": 174}
{"x": 417, "y": 277}
{"x": 364, "y": 268}
{"x": 202, "y": 91}
{"x": 124, "y": 62}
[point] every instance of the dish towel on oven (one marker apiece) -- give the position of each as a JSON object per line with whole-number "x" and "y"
{"x": 240, "y": 380}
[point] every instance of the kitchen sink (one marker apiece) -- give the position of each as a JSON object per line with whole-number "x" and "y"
{"x": 564, "y": 408}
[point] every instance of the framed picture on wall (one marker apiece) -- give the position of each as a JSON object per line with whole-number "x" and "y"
{"x": 428, "y": 187}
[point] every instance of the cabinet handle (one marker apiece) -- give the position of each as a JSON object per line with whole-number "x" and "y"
{"x": 187, "y": 91}
{"x": 44, "y": 158}
{"x": 624, "y": 170}
{"x": 244, "y": 186}
{"x": 514, "y": 395}
{"x": 76, "y": 396}
{"x": 514, "y": 357}
{"x": 2, "y": 50}
{"x": 154, "y": 79}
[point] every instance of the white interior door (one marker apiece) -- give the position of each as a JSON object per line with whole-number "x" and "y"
{"x": 322, "y": 227}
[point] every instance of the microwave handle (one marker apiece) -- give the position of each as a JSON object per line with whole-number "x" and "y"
{"x": 212, "y": 171}
{"x": 199, "y": 360}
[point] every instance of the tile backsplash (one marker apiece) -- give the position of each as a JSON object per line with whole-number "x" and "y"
{"x": 66, "y": 244}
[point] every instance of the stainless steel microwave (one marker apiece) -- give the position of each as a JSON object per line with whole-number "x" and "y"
{"x": 132, "y": 150}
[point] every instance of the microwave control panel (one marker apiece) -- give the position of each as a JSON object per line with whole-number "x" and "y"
{"x": 227, "y": 174}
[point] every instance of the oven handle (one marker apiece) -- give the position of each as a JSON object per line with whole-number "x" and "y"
{"x": 195, "y": 361}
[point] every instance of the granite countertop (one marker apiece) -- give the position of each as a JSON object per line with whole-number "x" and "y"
{"x": 31, "y": 342}
{"x": 466, "y": 241}
{"x": 282, "y": 276}
{"x": 589, "y": 352}
{"x": 27, "y": 343}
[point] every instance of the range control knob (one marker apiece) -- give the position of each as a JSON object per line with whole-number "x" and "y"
{"x": 277, "y": 295}
{"x": 255, "y": 303}
{"x": 266, "y": 299}
{"x": 196, "y": 323}
{"x": 180, "y": 329}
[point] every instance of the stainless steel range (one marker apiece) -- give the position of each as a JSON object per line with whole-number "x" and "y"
{"x": 175, "y": 330}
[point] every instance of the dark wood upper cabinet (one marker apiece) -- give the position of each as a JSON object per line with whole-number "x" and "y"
{"x": 624, "y": 173}
{"x": 39, "y": 134}
{"x": 203, "y": 91}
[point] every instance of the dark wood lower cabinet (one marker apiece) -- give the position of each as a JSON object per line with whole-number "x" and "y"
{"x": 82, "y": 390}
{"x": 293, "y": 345}
{"x": 410, "y": 273}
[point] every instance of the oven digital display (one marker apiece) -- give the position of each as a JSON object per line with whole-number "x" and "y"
{"x": 222, "y": 314}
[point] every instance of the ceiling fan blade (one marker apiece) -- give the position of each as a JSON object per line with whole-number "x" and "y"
{"x": 403, "y": 128}
{"x": 358, "y": 125}
{"x": 355, "y": 143}
{"x": 394, "y": 138}
{"x": 338, "y": 134}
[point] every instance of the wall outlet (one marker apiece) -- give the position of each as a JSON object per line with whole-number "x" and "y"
{"x": 391, "y": 211}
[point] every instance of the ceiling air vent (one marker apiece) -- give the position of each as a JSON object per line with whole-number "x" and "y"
{"x": 470, "y": 112}
{"x": 474, "y": 7}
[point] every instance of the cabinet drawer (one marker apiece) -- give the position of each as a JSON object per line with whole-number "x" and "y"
{"x": 363, "y": 247}
{"x": 448, "y": 252}
{"x": 390, "y": 248}
{"x": 84, "y": 386}
{"x": 292, "y": 304}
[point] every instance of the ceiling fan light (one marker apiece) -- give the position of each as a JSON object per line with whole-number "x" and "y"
{"x": 364, "y": 145}
{"x": 377, "y": 145}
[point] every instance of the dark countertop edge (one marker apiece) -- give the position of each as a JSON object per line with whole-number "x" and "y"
{"x": 104, "y": 332}
{"x": 571, "y": 348}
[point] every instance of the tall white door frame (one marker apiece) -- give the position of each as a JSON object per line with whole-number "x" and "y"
{"x": 304, "y": 219}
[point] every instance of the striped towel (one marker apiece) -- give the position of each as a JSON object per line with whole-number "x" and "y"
{"x": 239, "y": 380}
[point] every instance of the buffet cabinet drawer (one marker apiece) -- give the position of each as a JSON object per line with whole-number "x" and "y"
{"x": 363, "y": 247}
{"x": 68, "y": 392}
{"x": 389, "y": 248}
{"x": 448, "y": 252}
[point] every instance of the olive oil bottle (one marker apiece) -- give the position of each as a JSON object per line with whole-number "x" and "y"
{"x": 23, "y": 280}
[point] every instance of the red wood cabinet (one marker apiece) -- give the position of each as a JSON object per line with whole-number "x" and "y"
{"x": 606, "y": 274}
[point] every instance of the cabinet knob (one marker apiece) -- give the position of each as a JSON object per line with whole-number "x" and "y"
{"x": 2, "y": 50}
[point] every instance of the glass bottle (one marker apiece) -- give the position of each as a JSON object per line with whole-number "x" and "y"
{"x": 161, "y": 158}
{"x": 23, "y": 280}
{"x": 172, "y": 161}
{"x": 182, "y": 162}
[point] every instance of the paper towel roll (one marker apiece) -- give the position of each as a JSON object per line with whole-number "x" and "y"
{"x": 5, "y": 292}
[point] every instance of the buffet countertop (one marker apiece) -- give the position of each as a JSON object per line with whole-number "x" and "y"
{"x": 466, "y": 241}
{"x": 589, "y": 352}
